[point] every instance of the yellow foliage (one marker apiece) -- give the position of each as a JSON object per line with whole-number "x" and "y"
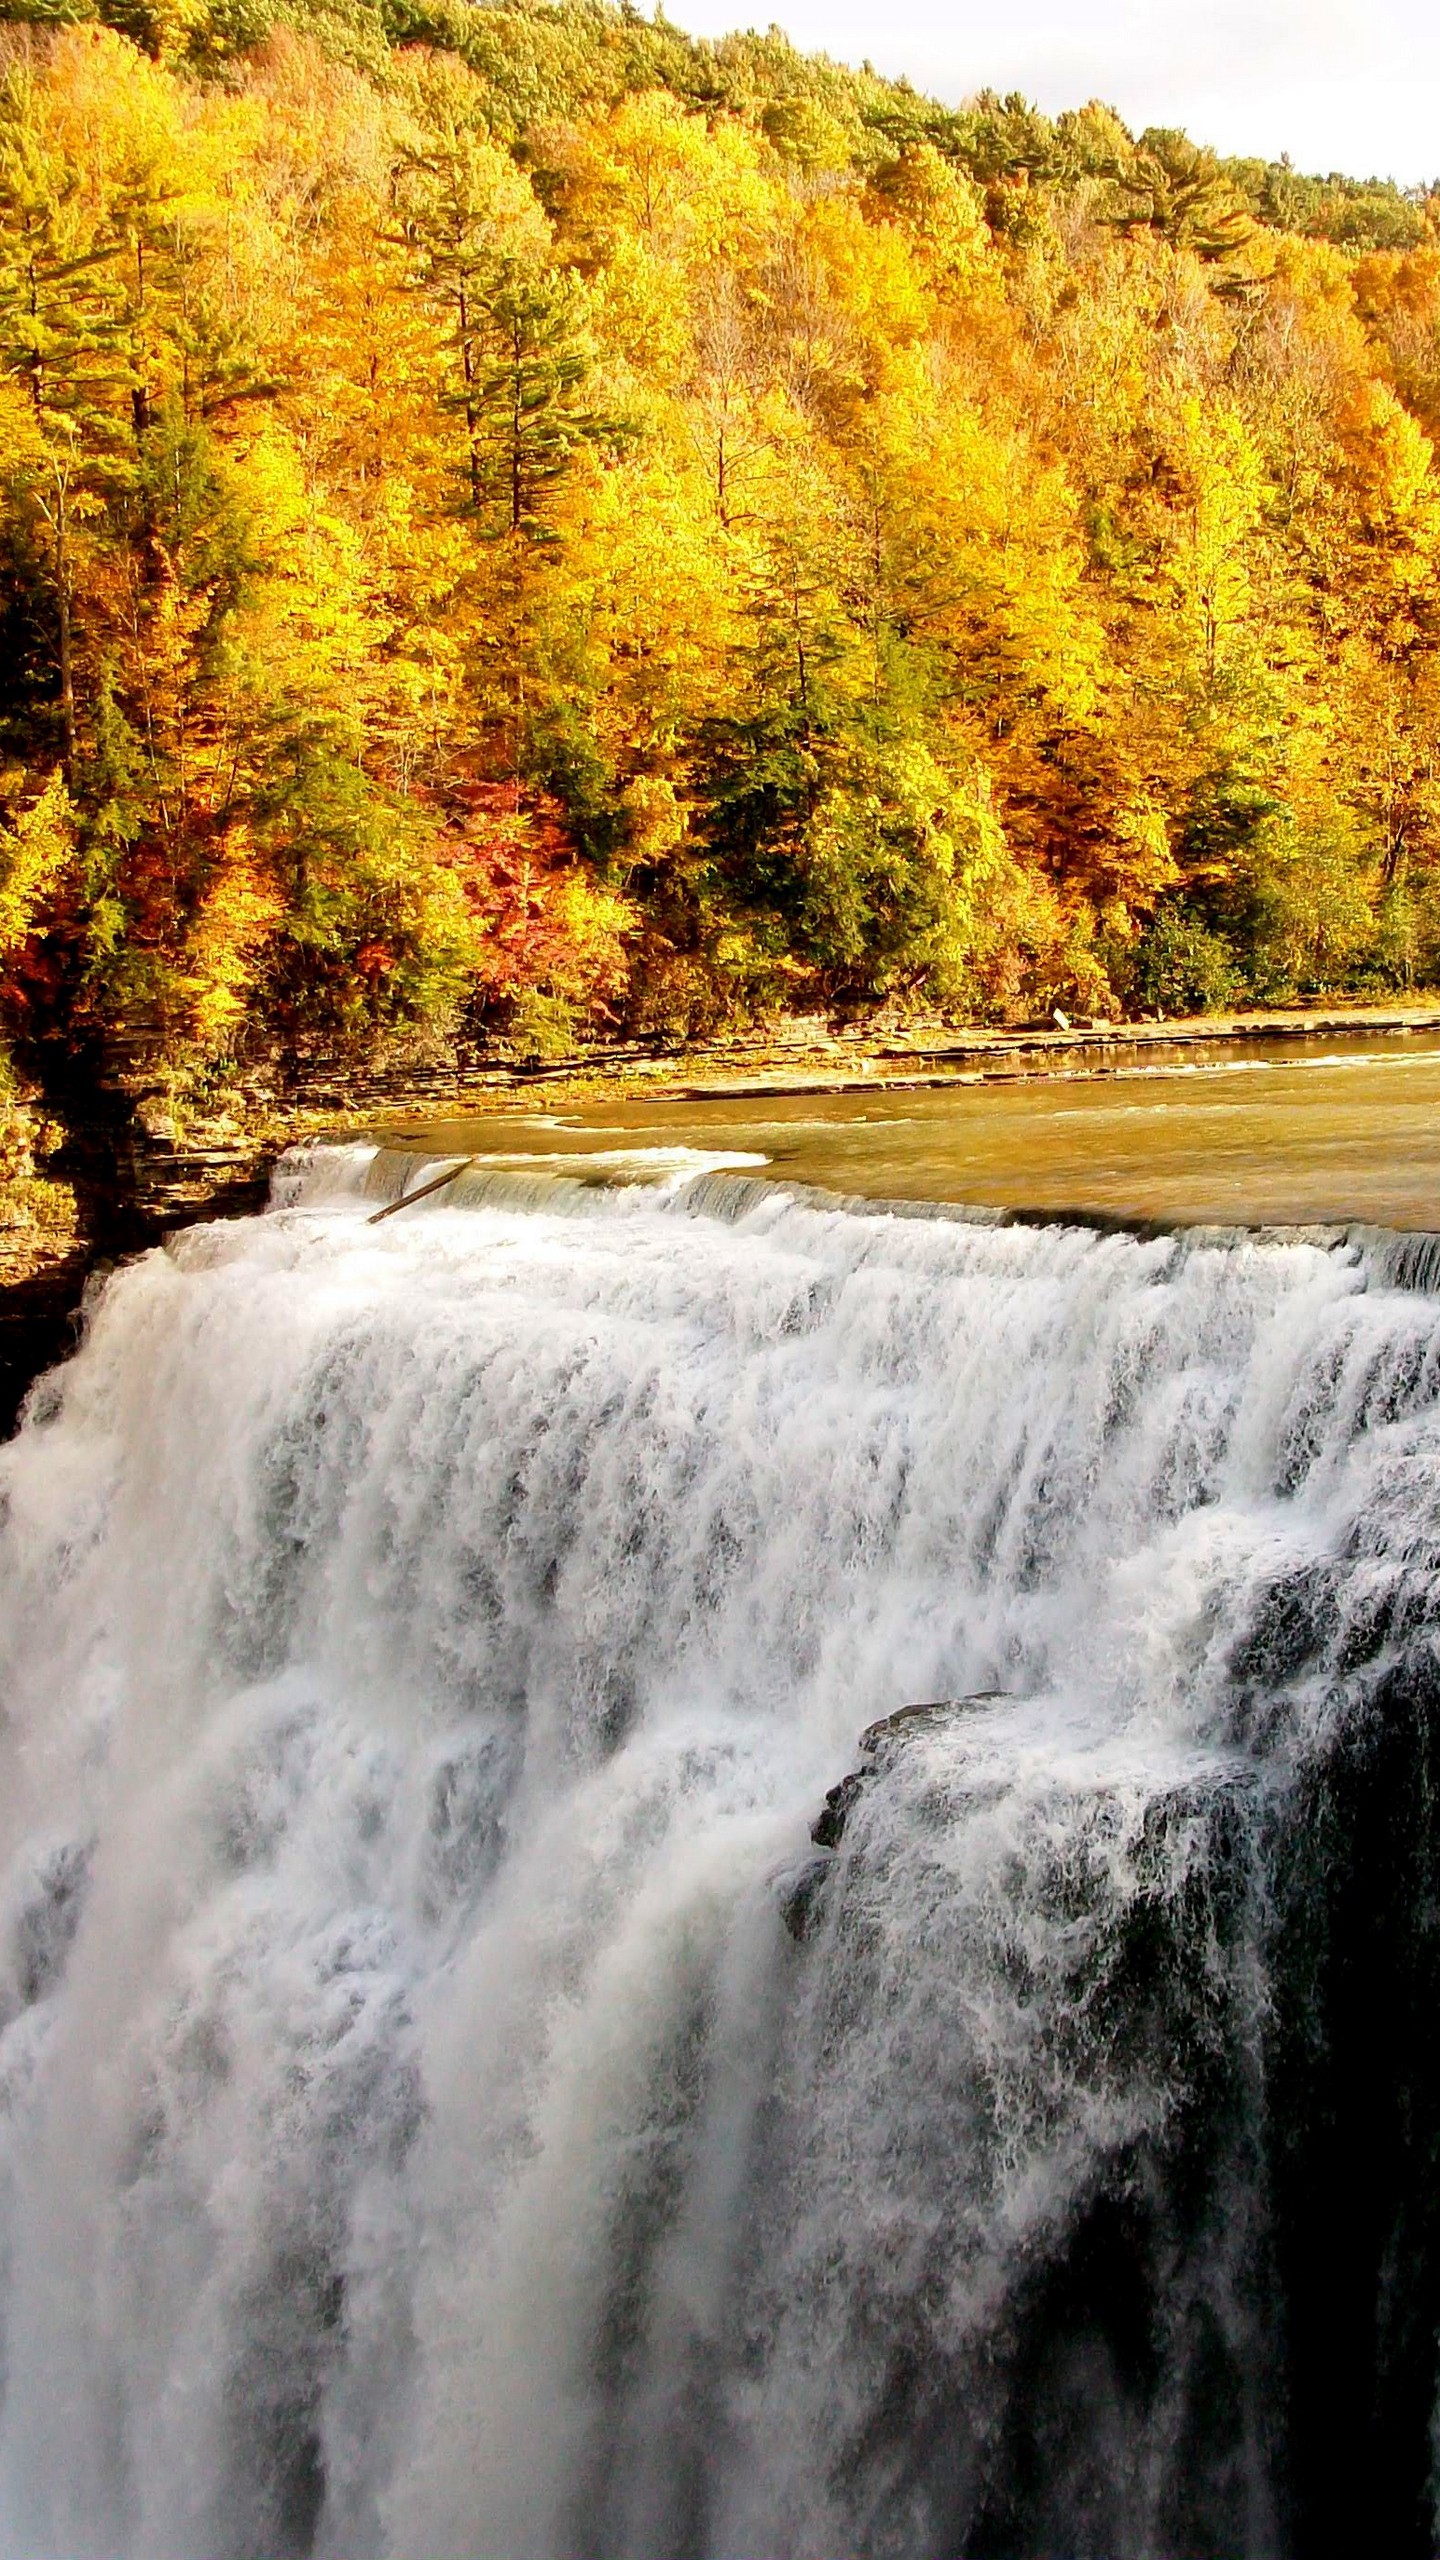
{"x": 35, "y": 853}
{"x": 940, "y": 210}
{"x": 1220, "y": 494}
{"x": 237, "y": 915}
{"x": 1390, "y": 456}
{"x": 902, "y": 574}
{"x": 688, "y": 188}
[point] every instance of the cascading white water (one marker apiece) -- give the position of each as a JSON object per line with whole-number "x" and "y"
{"x": 449, "y": 2111}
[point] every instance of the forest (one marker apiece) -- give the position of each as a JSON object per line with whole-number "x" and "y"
{"x": 519, "y": 524}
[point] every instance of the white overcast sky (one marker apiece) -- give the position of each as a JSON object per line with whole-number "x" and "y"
{"x": 1339, "y": 84}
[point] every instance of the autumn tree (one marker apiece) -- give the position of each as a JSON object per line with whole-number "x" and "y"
{"x": 527, "y": 519}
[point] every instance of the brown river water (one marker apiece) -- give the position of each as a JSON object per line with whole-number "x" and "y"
{"x": 1245, "y": 1132}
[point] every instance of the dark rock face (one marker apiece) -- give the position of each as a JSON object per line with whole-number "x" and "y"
{"x": 39, "y": 1317}
{"x": 800, "y": 1895}
{"x": 879, "y": 1738}
{"x": 1251, "y": 2298}
{"x": 132, "y": 1191}
{"x": 878, "y": 1743}
{"x": 829, "y": 1823}
{"x": 800, "y": 1891}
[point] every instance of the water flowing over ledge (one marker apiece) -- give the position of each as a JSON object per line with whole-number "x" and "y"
{"x": 426, "y": 1649}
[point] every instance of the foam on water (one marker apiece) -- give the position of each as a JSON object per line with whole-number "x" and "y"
{"x": 425, "y": 1648}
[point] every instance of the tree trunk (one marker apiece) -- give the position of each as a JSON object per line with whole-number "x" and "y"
{"x": 472, "y": 413}
{"x": 67, "y": 649}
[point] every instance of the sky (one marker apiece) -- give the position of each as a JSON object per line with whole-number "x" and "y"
{"x": 1339, "y": 84}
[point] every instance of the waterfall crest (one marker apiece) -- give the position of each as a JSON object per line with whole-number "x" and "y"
{"x": 426, "y": 1648}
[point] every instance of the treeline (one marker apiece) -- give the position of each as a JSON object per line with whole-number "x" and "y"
{"x": 522, "y": 520}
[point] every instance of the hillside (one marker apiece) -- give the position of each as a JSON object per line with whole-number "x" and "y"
{"x": 520, "y": 522}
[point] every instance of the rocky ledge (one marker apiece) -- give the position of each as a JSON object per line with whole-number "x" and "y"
{"x": 801, "y": 1890}
{"x": 56, "y": 1236}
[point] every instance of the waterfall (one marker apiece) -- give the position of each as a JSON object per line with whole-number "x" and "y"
{"x": 450, "y": 2109}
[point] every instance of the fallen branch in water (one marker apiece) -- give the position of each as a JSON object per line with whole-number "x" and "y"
{"x": 408, "y": 1198}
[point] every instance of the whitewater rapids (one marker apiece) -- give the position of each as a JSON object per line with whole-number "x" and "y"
{"x": 450, "y": 2111}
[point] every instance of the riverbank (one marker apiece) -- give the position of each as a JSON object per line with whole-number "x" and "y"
{"x": 137, "y": 1172}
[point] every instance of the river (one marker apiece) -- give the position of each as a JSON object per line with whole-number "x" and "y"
{"x": 1234, "y": 1132}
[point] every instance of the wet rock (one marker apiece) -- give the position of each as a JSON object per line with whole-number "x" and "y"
{"x": 878, "y": 1738}
{"x": 878, "y": 1744}
{"x": 47, "y": 1917}
{"x": 829, "y": 1823}
{"x": 799, "y": 1892}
